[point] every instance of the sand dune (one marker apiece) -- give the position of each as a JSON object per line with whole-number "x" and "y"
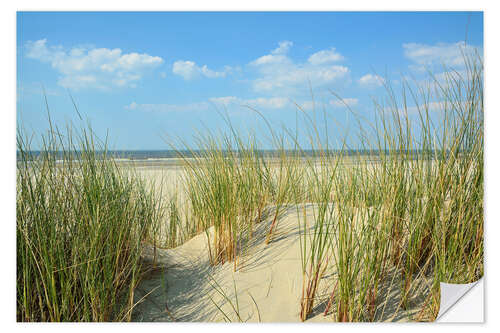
{"x": 266, "y": 287}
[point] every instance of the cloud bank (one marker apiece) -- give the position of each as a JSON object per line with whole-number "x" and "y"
{"x": 189, "y": 70}
{"x": 371, "y": 80}
{"x": 88, "y": 67}
{"x": 448, "y": 54}
{"x": 277, "y": 72}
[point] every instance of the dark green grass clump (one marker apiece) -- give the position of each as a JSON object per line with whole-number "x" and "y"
{"x": 80, "y": 224}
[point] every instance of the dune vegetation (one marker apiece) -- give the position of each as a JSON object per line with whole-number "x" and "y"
{"x": 80, "y": 226}
{"x": 399, "y": 203}
{"x": 404, "y": 205}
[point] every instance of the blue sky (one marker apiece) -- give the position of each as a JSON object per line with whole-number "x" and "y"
{"x": 144, "y": 76}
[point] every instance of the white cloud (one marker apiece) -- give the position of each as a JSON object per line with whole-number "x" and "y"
{"x": 268, "y": 103}
{"x": 277, "y": 56}
{"x": 277, "y": 72}
{"x": 448, "y": 54}
{"x": 260, "y": 102}
{"x": 336, "y": 103}
{"x": 325, "y": 56}
{"x": 39, "y": 50}
{"x": 225, "y": 101}
{"x": 202, "y": 106}
{"x": 270, "y": 59}
{"x": 371, "y": 80}
{"x": 213, "y": 74}
{"x": 189, "y": 70}
{"x": 299, "y": 76}
{"x": 87, "y": 67}
{"x": 186, "y": 69}
{"x": 272, "y": 103}
{"x": 283, "y": 47}
{"x": 345, "y": 101}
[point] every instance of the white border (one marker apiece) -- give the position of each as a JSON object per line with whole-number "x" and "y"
{"x": 7, "y": 121}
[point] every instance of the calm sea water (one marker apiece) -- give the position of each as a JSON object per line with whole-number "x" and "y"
{"x": 166, "y": 155}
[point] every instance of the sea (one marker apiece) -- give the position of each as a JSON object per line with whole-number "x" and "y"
{"x": 144, "y": 155}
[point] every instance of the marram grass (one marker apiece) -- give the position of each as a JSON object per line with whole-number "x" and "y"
{"x": 409, "y": 218}
{"x": 402, "y": 219}
{"x": 80, "y": 224}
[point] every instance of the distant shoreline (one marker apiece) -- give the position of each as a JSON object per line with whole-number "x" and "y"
{"x": 174, "y": 157}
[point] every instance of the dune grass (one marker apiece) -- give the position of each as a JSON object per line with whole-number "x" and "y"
{"x": 80, "y": 224}
{"x": 231, "y": 184}
{"x": 418, "y": 211}
{"x": 403, "y": 217}
{"x": 407, "y": 215}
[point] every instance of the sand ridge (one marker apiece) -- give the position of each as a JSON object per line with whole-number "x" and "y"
{"x": 266, "y": 287}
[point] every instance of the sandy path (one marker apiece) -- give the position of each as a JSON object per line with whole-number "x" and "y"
{"x": 268, "y": 283}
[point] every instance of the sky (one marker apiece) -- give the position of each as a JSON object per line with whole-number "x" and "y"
{"x": 144, "y": 78}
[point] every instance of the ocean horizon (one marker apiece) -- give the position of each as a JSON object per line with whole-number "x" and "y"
{"x": 152, "y": 155}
